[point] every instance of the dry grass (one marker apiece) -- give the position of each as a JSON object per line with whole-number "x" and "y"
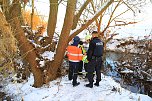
{"x": 8, "y": 47}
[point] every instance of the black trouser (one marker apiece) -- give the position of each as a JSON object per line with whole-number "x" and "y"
{"x": 80, "y": 66}
{"x": 94, "y": 65}
{"x": 85, "y": 68}
{"x": 73, "y": 71}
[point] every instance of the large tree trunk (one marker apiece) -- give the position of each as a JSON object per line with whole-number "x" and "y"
{"x": 27, "y": 50}
{"x": 63, "y": 41}
{"x": 52, "y": 19}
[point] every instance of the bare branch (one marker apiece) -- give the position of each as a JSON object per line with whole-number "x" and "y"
{"x": 128, "y": 6}
{"x": 107, "y": 4}
{"x": 124, "y": 24}
{"x": 77, "y": 16}
{"x": 111, "y": 17}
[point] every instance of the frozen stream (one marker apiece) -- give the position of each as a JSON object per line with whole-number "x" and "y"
{"x": 130, "y": 83}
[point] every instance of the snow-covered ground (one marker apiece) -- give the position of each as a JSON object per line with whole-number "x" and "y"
{"x": 62, "y": 90}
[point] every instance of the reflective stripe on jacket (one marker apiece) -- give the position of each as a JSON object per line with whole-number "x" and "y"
{"x": 82, "y": 48}
{"x": 84, "y": 59}
{"x": 74, "y": 54}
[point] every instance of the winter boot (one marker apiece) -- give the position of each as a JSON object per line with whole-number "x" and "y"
{"x": 90, "y": 85}
{"x": 96, "y": 84}
{"x": 76, "y": 84}
{"x": 70, "y": 77}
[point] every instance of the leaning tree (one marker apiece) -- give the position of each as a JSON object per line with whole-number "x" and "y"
{"x": 71, "y": 27}
{"x": 65, "y": 36}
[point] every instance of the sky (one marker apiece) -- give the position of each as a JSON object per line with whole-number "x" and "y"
{"x": 142, "y": 28}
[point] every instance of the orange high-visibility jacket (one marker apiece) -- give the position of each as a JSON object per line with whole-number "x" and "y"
{"x": 74, "y": 54}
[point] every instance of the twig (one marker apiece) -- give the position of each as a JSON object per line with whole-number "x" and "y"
{"x": 59, "y": 84}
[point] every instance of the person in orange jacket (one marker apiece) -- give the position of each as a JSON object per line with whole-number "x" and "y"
{"x": 74, "y": 54}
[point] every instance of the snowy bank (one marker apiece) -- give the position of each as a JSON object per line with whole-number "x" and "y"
{"x": 62, "y": 90}
{"x": 129, "y": 45}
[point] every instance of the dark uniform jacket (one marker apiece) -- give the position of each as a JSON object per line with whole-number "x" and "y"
{"x": 96, "y": 47}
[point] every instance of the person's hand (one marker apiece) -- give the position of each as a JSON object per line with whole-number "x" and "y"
{"x": 85, "y": 53}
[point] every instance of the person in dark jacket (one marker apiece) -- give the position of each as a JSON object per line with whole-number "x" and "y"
{"x": 94, "y": 56}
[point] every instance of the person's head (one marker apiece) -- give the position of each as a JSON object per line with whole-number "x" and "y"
{"x": 88, "y": 38}
{"x": 80, "y": 42}
{"x": 76, "y": 40}
{"x": 94, "y": 34}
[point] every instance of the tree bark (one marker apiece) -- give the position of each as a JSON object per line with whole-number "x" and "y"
{"x": 24, "y": 45}
{"x": 52, "y": 19}
{"x": 7, "y": 48}
{"x": 77, "y": 16}
{"x": 63, "y": 41}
